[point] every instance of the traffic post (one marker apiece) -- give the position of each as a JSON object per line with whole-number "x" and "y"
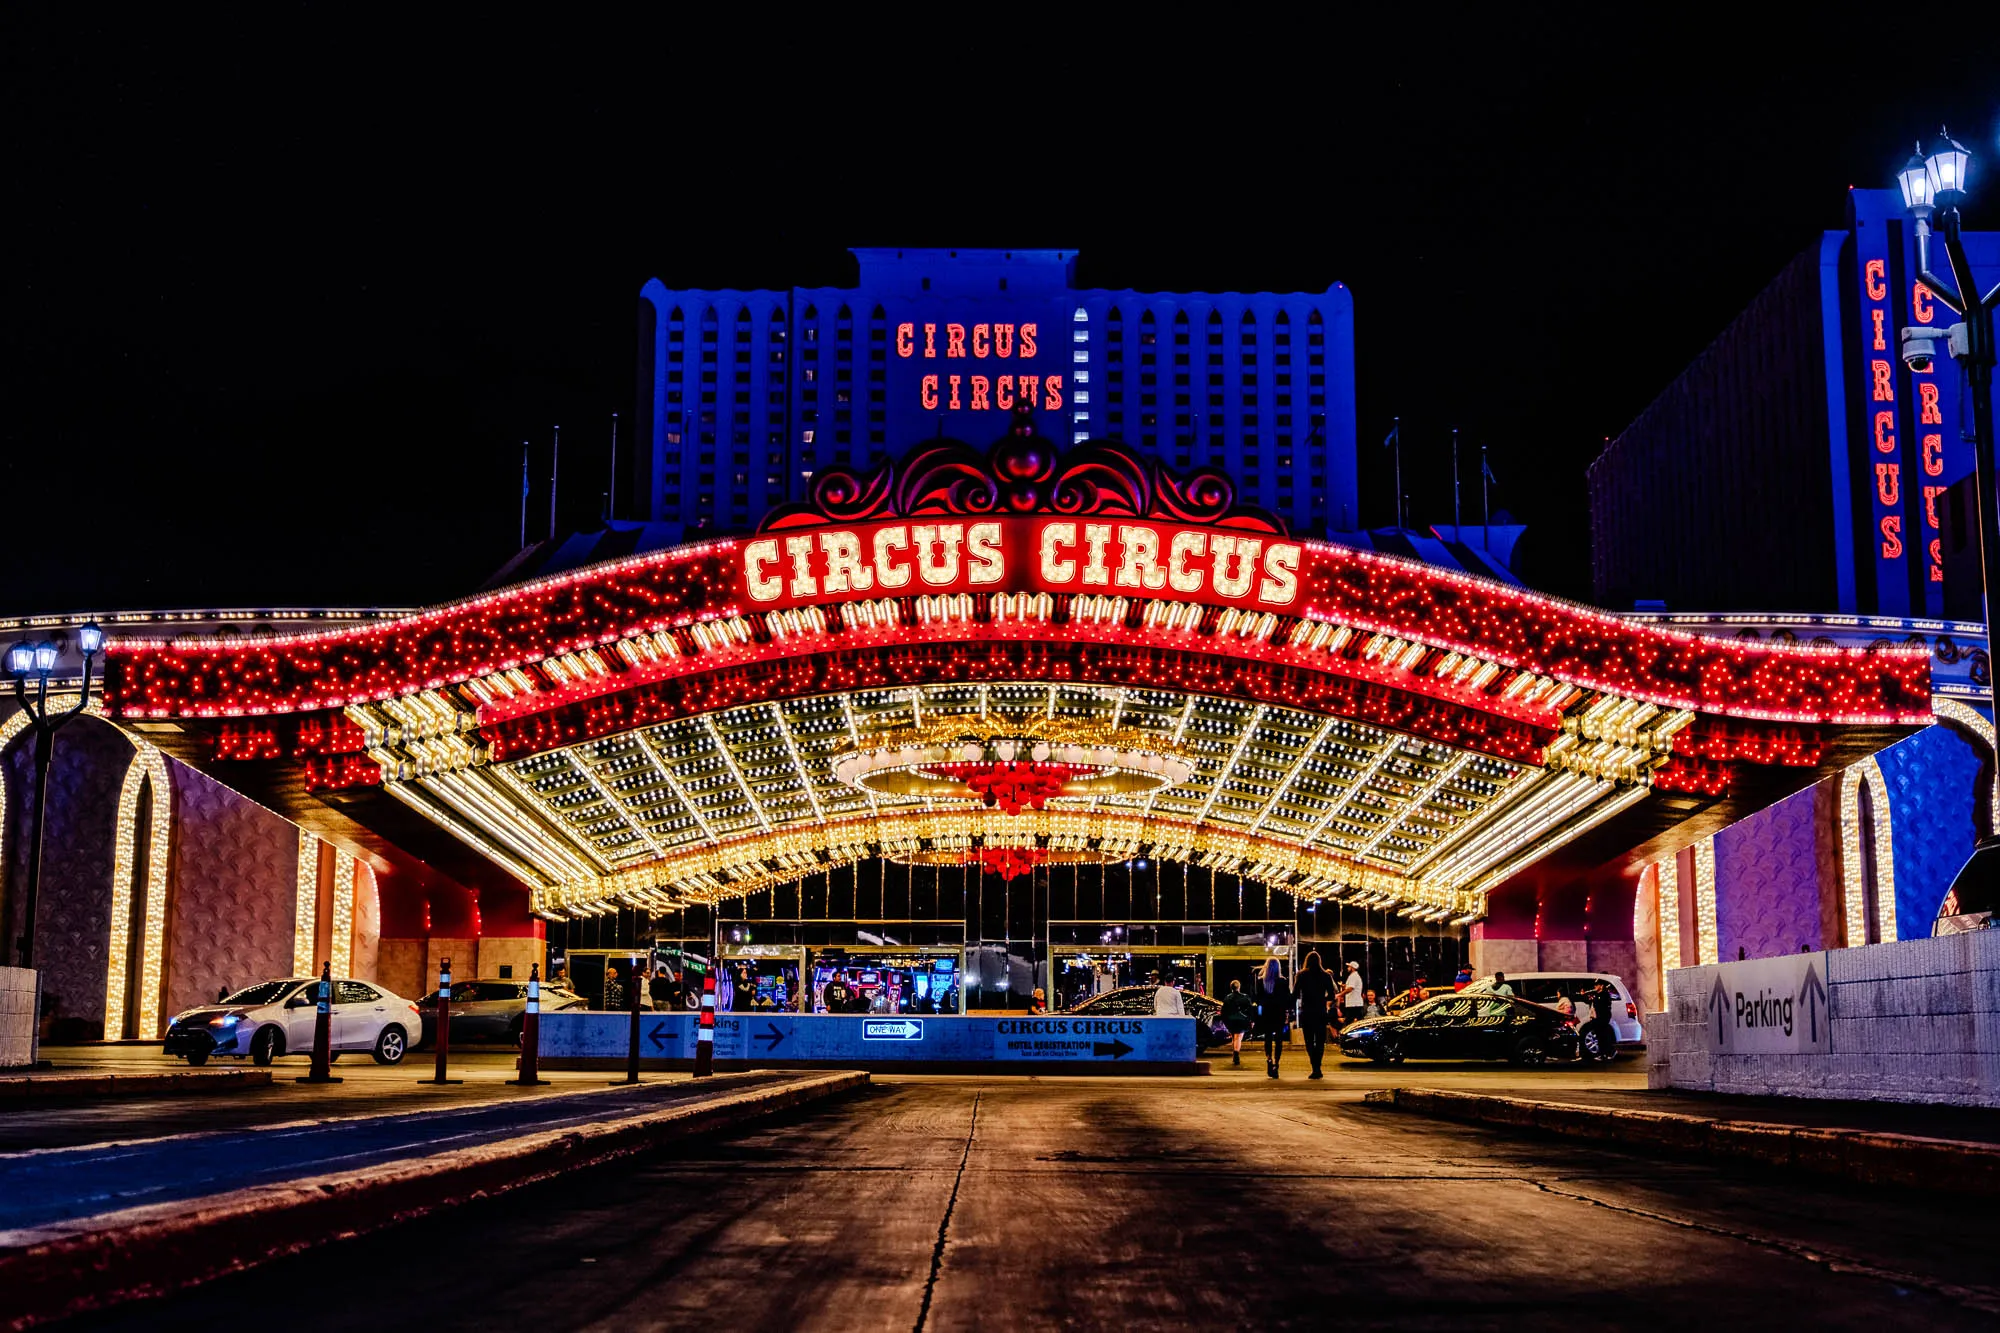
{"x": 704, "y": 1050}
{"x": 322, "y": 1056}
{"x": 443, "y": 1037}
{"x": 531, "y": 1031}
{"x": 633, "y": 990}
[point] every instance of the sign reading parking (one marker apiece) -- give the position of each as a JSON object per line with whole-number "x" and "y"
{"x": 1768, "y": 1006}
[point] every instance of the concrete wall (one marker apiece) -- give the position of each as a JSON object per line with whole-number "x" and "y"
{"x": 1910, "y": 1021}
{"x": 399, "y": 966}
{"x": 17, "y": 1017}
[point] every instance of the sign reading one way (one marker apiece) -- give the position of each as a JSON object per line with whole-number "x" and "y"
{"x": 1768, "y": 1006}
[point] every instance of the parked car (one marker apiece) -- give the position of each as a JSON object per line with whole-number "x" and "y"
{"x": 492, "y": 1009}
{"x": 273, "y": 1018}
{"x": 1401, "y": 999}
{"x": 1138, "y": 1001}
{"x": 1464, "y": 1026}
{"x": 1548, "y": 987}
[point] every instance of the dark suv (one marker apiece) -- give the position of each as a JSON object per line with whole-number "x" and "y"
{"x": 1138, "y": 1001}
{"x": 492, "y": 1009}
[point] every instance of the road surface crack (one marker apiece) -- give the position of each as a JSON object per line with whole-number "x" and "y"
{"x": 1984, "y": 1299}
{"x": 944, "y": 1223}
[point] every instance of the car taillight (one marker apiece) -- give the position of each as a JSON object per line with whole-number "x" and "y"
{"x": 1631, "y": 1009}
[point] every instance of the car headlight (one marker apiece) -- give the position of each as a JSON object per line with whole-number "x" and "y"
{"x": 1359, "y": 1032}
{"x": 225, "y": 1020}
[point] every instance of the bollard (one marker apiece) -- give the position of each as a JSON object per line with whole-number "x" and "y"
{"x": 704, "y": 1051}
{"x": 632, "y": 992}
{"x": 531, "y": 1032}
{"x": 443, "y": 1025}
{"x": 322, "y": 1053}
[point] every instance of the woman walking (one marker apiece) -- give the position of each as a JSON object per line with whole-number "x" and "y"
{"x": 1315, "y": 992}
{"x": 1238, "y": 1013}
{"x": 1274, "y": 1014}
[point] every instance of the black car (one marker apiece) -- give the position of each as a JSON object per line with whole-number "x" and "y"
{"x": 1137, "y": 1001}
{"x": 1464, "y": 1027}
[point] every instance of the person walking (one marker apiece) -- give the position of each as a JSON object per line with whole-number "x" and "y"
{"x": 1350, "y": 994}
{"x": 1462, "y": 980}
{"x": 1274, "y": 1014}
{"x": 1315, "y": 996}
{"x": 1500, "y": 986}
{"x": 1238, "y": 1013}
{"x": 1167, "y": 1000}
{"x": 1598, "y": 1025}
{"x": 1372, "y": 1008}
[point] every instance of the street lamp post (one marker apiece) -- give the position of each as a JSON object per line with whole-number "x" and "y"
{"x": 23, "y": 660}
{"x": 1933, "y": 186}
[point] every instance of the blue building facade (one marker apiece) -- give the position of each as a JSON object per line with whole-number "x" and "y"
{"x": 1799, "y": 464}
{"x": 744, "y": 395}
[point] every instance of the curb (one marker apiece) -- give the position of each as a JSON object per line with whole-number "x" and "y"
{"x": 1866, "y": 1157}
{"x": 37, "y": 1087}
{"x": 65, "y": 1268}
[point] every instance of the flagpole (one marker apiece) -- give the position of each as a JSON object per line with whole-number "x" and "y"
{"x": 555, "y": 467}
{"x": 1457, "y": 524}
{"x": 611, "y": 496}
{"x": 1485, "y": 502}
{"x": 524, "y": 495}
{"x": 1396, "y": 434}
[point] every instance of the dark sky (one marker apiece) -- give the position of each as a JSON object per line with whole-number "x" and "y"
{"x": 285, "y": 293}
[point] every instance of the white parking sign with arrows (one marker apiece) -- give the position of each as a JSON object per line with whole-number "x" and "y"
{"x": 1768, "y": 1006}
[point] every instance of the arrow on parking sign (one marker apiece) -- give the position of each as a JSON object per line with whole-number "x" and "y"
{"x": 1812, "y": 995}
{"x": 1718, "y": 1001}
{"x": 657, "y": 1036}
{"x": 773, "y": 1037}
{"x": 1114, "y": 1048}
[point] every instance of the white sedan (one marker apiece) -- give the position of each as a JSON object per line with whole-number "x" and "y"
{"x": 274, "y": 1018}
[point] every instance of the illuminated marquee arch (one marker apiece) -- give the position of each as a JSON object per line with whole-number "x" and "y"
{"x": 668, "y": 726}
{"x": 148, "y": 766}
{"x": 1866, "y": 848}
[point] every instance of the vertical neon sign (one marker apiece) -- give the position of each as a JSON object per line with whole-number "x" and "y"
{"x": 1884, "y": 473}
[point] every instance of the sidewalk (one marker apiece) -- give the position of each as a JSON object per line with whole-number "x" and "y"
{"x": 56, "y": 1085}
{"x": 1945, "y": 1148}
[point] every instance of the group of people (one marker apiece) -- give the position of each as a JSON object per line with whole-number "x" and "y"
{"x": 1267, "y": 1009}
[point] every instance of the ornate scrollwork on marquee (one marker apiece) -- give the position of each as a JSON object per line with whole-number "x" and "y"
{"x": 1024, "y": 473}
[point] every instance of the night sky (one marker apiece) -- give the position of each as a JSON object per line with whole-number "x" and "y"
{"x": 285, "y": 294}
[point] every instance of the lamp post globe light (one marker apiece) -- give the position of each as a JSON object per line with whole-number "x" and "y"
{"x": 1934, "y": 184}
{"x": 26, "y": 661}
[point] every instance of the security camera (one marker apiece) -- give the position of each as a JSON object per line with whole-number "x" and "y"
{"x": 1920, "y": 348}
{"x": 1920, "y": 345}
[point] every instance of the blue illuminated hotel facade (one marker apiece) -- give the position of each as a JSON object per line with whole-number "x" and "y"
{"x": 744, "y": 395}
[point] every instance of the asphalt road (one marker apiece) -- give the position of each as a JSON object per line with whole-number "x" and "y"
{"x": 974, "y": 1203}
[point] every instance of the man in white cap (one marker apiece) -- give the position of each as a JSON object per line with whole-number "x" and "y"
{"x": 1350, "y": 993}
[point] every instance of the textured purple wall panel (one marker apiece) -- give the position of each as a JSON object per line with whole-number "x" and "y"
{"x": 235, "y": 892}
{"x": 1770, "y": 874}
{"x": 72, "y": 941}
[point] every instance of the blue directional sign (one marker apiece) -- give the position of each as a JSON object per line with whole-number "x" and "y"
{"x": 892, "y": 1029}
